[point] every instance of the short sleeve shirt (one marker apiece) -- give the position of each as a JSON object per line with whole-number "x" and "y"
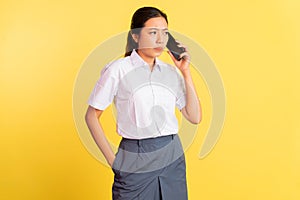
{"x": 145, "y": 100}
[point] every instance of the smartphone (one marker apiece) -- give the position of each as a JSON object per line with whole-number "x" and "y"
{"x": 174, "y": 49}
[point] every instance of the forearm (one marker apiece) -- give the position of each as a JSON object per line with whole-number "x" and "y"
{"x": 192, "y": 108}
{"x": 99, "y": 137}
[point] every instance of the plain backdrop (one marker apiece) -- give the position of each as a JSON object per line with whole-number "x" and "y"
{"x": 255, "y": 46}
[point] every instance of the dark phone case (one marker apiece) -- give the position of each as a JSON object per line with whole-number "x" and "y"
{"x": 172, "y": 46}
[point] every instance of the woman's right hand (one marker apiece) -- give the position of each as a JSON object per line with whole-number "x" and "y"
{"x": 111, "y": 161}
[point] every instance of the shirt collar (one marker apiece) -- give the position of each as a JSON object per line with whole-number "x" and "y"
{"x": 137, "y": 61}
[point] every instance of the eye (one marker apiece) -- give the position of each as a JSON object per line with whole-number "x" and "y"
{"x": 153, "y": 32}
{"x": 166, "y": 33}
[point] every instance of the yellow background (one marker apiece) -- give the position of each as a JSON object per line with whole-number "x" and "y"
{"x": 254, "y": 44}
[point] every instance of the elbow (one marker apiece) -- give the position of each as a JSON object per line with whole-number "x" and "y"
{"x": 87, "y": 117}
{"x": 196, "y": 120}
{"x": 92, "y": 114}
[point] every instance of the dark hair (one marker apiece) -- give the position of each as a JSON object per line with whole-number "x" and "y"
{"x": 138, "y": 21}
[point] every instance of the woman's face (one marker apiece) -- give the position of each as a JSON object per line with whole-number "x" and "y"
{"x": 153, "y": 38}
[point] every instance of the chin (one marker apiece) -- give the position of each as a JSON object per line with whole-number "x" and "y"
{"x": 157, "y": 53}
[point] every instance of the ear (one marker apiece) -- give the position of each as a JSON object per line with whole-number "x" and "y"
{"x": 135, "y": 37}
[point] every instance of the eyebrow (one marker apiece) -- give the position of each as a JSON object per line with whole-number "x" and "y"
{"x": 164, "y": 29}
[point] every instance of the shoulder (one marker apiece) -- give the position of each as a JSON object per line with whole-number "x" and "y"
{"x": 115, "y": 66}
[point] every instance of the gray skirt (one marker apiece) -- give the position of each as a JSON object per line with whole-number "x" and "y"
{"x": 150, "y": 169}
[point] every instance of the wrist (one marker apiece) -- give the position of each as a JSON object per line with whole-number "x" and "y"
{"x": 186, "y": 73}
{"x": 111, "y": 161}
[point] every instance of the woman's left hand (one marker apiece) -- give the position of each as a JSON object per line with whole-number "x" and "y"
{"x": 184, "y": 63}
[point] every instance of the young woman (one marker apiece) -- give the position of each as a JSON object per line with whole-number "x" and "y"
{"x": 150, "y": 162}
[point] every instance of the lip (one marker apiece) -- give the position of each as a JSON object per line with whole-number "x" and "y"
{"x": 159, "y": 48}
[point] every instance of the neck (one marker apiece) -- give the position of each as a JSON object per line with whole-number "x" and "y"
{"x": 147, "y": 59}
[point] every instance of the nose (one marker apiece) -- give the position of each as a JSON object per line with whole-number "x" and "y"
{"x": 160, "y": 38}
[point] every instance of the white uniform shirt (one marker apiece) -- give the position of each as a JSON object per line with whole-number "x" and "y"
{"x": 145, "y": 101}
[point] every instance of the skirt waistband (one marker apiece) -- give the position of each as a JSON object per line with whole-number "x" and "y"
{"x": 164, "y": 138}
